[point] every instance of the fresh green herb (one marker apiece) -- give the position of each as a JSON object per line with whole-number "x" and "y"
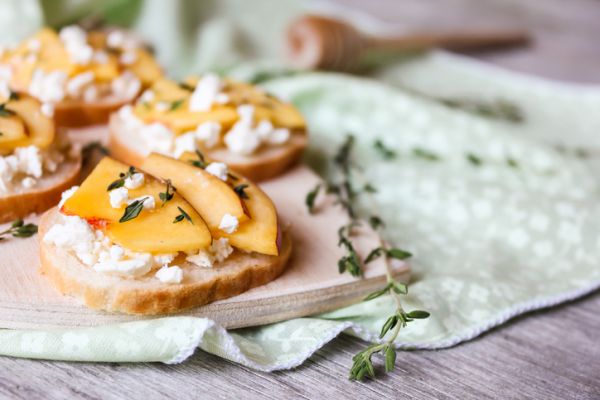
{"x": 398, "y": 254}
{"x": 186, "y": 86}
{"x": 311, "y": 197}
{"x": 13, "y": 96}
{"x": 132, "y": 210}
{"x": 5, "y": 112}
{"x": 350, "y": 261}
{"x": 473, "y": 159}
{"x": 376, "y": 222}
{"x": 147, "y": 105}
{"x": 386, "y": 152}
{"x": 425, "y": 154}
{"x": 19, "y": 229}
{"x": 168, "y": 193}
{"x": 362, "y": 362}
{"x": 183, "y": 215}
{"x": 176, "y": 104}
{"x": 369, "y": 188}
{"x": 241, "y": 191}
{"x": 497, "y": 109}
{"x": 263, "y": 76}
{"x": 512, "y": 162}
{"x": 121, "y": 181}
{"x": 200, "y": 162}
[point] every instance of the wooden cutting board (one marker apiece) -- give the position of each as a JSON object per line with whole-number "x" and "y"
{"x": 311, "y": 283}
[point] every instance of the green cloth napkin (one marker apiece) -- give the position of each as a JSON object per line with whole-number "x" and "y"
{"x": 518, "y": 231}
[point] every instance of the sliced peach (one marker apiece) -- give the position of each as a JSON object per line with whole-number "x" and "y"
{"x": 210, "y": 196}
{"x": 152, "y": 230}
{"x": 145, "y": 68}
{"x": 39, "y": 128}
{"x": 259, "y": 233}
{"x": 11, "y": 129}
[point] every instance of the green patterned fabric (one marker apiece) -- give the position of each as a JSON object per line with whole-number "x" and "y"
{"x": 515, "y": 230}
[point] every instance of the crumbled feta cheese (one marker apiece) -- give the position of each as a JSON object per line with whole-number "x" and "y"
{"x": 100, "y": 57}
{"x": 128, "y": 57}
{"x": 264, "y": 129}
{"x": 162, "y": 106}
{"x": 242, "y": 139}
{"x": 66, "y": 195}
{"x": 203, "y": 259}
{"x": 118, "y": 197}
{"x": 47, "y": 109}
{"x": 229, "y": 223}
{"x": 75, "y": 40}
{"x": 222, "y": 98}
{"x": 129, "y": 119}
{"x": 28, "y": 182}
{"x": 246, "y": 113}
{"x": 134, "y": 181}
{"x": 158, "y": 138}
{"x": 115, "y": 39}
{"x": 90, "y": 94}
{"x": 218, "y": 169}
{"x": 205, "y": 93}
{"x": 209, "y": 133}
{"x": 29, "y": 160}
{"x": 146, "y": 97}
{"x": 220, "y": 249}
{"x": 34, "y": 45}
{"x": 185, "y": 143}
{"x": 278, "y": 136}
{"x": 48, "y": 87}
{"x": 126, "y": 85}
{"x": 172, "y": 274}
{"x": 94, "y": 249}
{"x": 5, "y": 72}
{"x": 164, "y": 259}
{"x": 76, "y": 84}
{"x": 148, "y": 202}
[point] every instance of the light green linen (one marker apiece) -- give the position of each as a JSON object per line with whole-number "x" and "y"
{"x": 490, "y": 241}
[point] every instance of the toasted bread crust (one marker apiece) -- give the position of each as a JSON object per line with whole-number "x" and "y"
{"x": 40, "y": 199}
{"x": 78, "y": 114}
{"x": 257, "y": 167}
{"x": 237, "y": 274}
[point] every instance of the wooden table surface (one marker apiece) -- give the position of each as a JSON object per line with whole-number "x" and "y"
{"x": 553, "y": 354}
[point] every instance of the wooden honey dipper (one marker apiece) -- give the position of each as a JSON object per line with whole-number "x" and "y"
{"x": 318, "y": 42}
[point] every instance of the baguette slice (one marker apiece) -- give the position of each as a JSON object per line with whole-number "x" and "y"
{"x": 266, "y": 163}
{"x": 78, "y": 114}
{"x": 44, "y": 195}
{"x": 146, "y": 295}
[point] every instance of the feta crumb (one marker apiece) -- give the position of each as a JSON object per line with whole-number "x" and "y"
{"x": 229, "y": 223}
{"x": 75, "y": 40}
{"x": 76, "y": 84}
{"x": 209, "y": 133}
{"x": 128, "y": 118}
{"x": 221, "y": 249}
{"x": 48, "y": 87}
{"x": 205, "y": 93}
{"x": 222, "y": 98}
{"x": 29, "y": 160}
{"x": 66, "y": 195}
{"x": 115, "y": 39}
{"x": 116, "y": 252}
{"x": 241, "y": 139}
{"x": 158, "y": 137}
{"x": 4, "y": 90}
{"x": 134, "y": 181}
{"x": 47, "y": 109}
{"x": 278, "y": 136}
{"x": 90, "y": 94}
{"x": 126, "y": 85}
{"x": 203, "y": 259}
{"x": 100, "y": 57}
{"x": 34, "y": 45}
{"x": 218, "y": 169}
{"x": 28, "y": 182}
{"x": 172, "y": 274}
{"x": 164, "y": 259}
{"x": 146, "y": 97}
{"x": 148, "y": 202}
{"x": 185, "y": 143}
{"x": 162, "y": 106}
{"x": 128, "y": 57}
{"x": 138, "y": 266}
{"x": 118, "y": 197}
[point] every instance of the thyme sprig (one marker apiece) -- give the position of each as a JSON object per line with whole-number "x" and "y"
{"x": 19, "y": 229}
{"x": 500, "y": 109}
{"x": 350, "y": 261}
{"x": 132, "y": 210}
{"x": 121, "y": 181}
{"x": 168, "y": 193}
{"x": 240, "y": 190}
{"x": 176, "y": 104}
{"x": 385, "y": 152}
{"x": 200, "y": 162}
{"x": 182, "y": 215}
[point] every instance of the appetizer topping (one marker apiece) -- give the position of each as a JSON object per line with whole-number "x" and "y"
{"x": 169, "y": 274}
{"x": 218, "y": 169}
{"x": 118, "y": 197}
{"x": 134, "y": 181}
{"x": 218, "y": 251}
{"x": 78, "y": 65}
{"x": 229, "y": 223}
{"x": 66, "y": 195}
{"x": 210, "y": 113}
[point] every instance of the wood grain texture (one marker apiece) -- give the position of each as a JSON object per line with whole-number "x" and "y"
{"x": 552, "y": 354}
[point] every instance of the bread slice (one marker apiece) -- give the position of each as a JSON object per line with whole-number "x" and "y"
{"x": 146, "y": 295}
{"x": 266, "y": 163}
{"x": 44, "y": 195}
{"x": 78, "y": 114}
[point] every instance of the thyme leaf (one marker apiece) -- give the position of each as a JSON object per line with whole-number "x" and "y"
{"x": 183, "y": 215}
{"x": 121, "y": 181}
{"x": 132, "y": 210}
{"x": 384, "y": 151}
{"x": 311, "y": 197}
{"x": 240, "y": 190}
{"x": 425, "y": 154}
{"x": 200, "y": 162}
{"x": 19, "y": 229}
{"x": 176, "y": 104}
{"x": 168, "y": 193}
